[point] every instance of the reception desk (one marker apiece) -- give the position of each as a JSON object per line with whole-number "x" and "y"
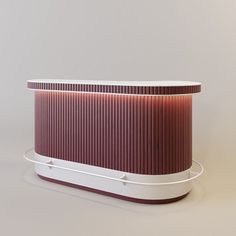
{"x": 127, "y": 139}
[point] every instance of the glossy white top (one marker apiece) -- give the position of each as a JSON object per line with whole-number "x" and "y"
{"x": 151, "y": 83}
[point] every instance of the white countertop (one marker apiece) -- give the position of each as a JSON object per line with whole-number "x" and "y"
{"x": 151, "y": 83}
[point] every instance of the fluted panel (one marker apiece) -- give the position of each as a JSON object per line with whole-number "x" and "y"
{"x": 138, "y": 134}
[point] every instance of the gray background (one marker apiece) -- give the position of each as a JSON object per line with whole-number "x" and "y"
{"x": 118, "y": 40}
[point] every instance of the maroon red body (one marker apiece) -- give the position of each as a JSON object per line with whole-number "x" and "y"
{"x": 140, "y": 134}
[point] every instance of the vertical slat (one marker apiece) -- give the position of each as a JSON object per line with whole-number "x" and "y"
{"x": 138, "y": 134}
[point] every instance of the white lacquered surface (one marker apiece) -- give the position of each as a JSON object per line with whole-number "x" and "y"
{"x": 147, "y": 187}
{"x": 151, "y": 83}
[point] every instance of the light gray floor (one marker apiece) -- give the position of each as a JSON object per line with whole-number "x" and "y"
{"x": 31, "y": 206}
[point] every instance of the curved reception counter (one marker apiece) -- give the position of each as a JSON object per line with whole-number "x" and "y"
{"x": 127, "y": 139}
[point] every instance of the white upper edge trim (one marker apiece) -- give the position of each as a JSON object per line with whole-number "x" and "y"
{"x": 151, "y": 83}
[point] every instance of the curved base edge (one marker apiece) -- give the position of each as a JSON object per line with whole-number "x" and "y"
{"x": 122, "y": 197}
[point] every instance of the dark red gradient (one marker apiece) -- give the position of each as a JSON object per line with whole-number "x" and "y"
{"x": 137, "y": 134}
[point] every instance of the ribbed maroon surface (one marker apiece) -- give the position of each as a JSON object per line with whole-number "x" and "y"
{"x": 122, "y": 89}
{"x": 138, "y": 134}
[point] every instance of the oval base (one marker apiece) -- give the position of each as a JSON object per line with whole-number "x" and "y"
{"x": 131, "y": 199}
